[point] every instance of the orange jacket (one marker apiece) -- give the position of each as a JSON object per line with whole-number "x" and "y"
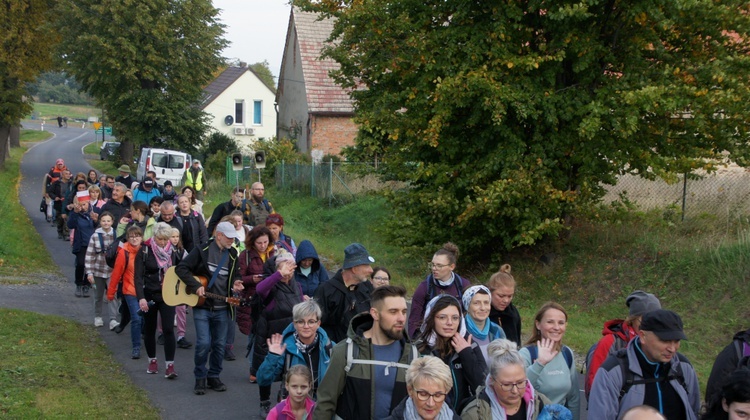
{"x": 122, "y": 273}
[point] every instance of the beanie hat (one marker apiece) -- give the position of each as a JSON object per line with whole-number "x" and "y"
{"x": 641, "y": 302}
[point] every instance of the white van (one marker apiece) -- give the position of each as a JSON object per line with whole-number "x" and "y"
{"x": 168, "y": 165}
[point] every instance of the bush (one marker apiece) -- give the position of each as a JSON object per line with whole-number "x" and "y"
{"x": 278, "y": 151}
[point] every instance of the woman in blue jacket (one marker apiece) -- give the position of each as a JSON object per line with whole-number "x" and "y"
{"x": 309, "y": 273}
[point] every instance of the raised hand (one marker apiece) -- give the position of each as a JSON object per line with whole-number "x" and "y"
{"x": 546, "y": 351}
{"x": 275, "y": 344}
{"x": 459, "y": 343}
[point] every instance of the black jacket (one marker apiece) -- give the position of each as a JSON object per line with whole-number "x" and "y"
{"x": 726, "y": 363}
{"x": 193, "y": 230}
{"x": 510, "y": 321}
{"x": 117, "y": 209}
{"x": 196, "y": 263}
{"x": 147, "y": 278}
{"x": 340, "y": 305}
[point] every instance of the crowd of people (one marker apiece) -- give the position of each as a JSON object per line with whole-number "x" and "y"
{"x": 345, "y": 344}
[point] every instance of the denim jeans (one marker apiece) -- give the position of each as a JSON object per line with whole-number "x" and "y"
{"x": 211, "y": 335}
{"x": 135, "y": 321}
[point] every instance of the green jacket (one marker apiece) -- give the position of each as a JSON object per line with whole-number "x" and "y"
{"x": 148, "y": 230}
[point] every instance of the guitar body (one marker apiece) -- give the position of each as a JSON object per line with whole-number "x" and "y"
{"x": 173, "y": 291}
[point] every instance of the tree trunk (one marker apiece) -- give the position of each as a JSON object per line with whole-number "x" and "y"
{"x": 4, "y": 145}
{"x": 126, "y": 152}
{"x": 15, "y": 136}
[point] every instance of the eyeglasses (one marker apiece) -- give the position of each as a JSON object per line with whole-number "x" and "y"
{"x": 309, "y": 322}
{"x": 521, "y": 385}
{"x": 445, "y": 318}
{"x": 424, "y": 395}
{"x": 432, "y": 265}
{"x": 381, "y": 278}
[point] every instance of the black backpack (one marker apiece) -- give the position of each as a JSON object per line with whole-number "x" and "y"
{"x": 110, "y": 253}
{"x": 629, "y": 378}
{"x": 743, "y": 353}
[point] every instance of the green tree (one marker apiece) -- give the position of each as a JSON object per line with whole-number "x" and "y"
{"x": 25, "y": 46}
{"x": 263, "y": 71}
{"x": 505, "y": 117}
{"x": 146, "y": 62}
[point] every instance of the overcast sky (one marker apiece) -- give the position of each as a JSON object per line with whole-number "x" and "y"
{"x": 256, "y": 30}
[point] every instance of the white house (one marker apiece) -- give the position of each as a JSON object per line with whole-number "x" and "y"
{"x": 241, "y": 105}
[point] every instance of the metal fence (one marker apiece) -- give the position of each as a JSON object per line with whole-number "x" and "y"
{"x": 725, "y": 193}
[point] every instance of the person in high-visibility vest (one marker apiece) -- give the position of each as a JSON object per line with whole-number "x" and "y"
{"x": 195, "y": 178}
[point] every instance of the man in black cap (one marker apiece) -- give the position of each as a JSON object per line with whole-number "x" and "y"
{"x": 146, "y": 191}
{"x": 650, "y": 372}
{"x": 347, "y": 293}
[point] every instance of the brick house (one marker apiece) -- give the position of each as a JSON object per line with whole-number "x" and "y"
{"x": 313, "y": 110}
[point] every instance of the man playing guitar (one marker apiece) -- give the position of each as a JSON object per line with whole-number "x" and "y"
{"x": 217, "y": 262}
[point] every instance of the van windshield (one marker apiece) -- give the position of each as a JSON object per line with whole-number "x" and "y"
{"x": 164, "y": 160}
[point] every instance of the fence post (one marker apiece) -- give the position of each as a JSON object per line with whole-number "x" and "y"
{"x": 282, "y": 174}
{"x": 330, "y": 182}
{"x": 312, "y": 179}
{"x": 684, "y": 194}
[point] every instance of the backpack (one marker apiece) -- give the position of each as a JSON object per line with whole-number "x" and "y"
{"x": 743, "y": 353}
{"x": 283, "y": 392}
{"x": 566, "y": 351}
{"x": 110, "y": 254}
{"x": 618, "y": 344}
{"x": 431, "y": 291}
{"x": 629, "y": 378}
{"x": 352, "y": 352}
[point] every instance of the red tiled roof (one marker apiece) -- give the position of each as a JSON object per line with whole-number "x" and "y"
{"x": 323, "y": 95}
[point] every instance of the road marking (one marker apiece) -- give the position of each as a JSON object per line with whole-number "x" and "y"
{"x": 82, "y": 135}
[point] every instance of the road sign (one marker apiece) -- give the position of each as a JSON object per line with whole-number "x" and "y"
{"x": 97, "y": 125}
{"x": 107, "y": 131}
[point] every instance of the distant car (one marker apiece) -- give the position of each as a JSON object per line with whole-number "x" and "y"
{"x": 109, "y": 149}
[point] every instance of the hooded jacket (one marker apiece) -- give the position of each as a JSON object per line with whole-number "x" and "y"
{"x": 123, "y": 272}
{"x": 147, "y": 226}
{"x": 725, "y": 363}
{"x": 351, "y": 395}
{"x": 612, "y": 330}
{"x": 340, "y": 305}
{"x": 605, "y": 392}
{"x": 420, "y": 298}
{"x": 84, "y": 228}
{"x": 273, "y": 365}
{"x": 480, "y": 408}
{"x": 141, "y": 194}
{"x": 117, "y": 209}
{"x": 318, "y": 273}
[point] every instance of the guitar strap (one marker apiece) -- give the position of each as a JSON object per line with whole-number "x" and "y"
{"x": 223, "y": 260}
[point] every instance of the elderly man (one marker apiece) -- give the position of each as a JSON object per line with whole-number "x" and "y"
{"x": 650, "y": 372}
{"x": 217, "y": 262}
{"x": 125, "y": 177}
{"x": 119, "y": 204}
{"x": 347, "y": 293}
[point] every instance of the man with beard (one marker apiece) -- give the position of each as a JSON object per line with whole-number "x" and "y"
{"x": 367, "y": 374}
{"x": 347, "y": 293}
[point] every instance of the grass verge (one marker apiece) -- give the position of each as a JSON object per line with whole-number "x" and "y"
{"x": 56, "y": 368}
{"x": 50, "y": 111}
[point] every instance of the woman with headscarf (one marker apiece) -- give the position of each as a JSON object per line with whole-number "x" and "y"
{"x": 158, "y": 256}
{"x": 476, "y": 300}
{"x": 444, "y": 335}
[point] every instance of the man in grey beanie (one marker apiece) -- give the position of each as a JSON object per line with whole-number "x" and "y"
{"x": 347, "y": 293}
{"x": 618, "y": 332}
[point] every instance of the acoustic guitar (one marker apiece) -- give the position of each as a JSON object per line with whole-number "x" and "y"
{"x": 173, "y": 292}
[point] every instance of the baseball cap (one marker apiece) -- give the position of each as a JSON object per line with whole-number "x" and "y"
{"x": 356, "y": 254}
{"x": 227, "y": 229}
{"x": 667, "y": 325}
{"x": 148, "y": 182}
{"x": 641, "y": 302}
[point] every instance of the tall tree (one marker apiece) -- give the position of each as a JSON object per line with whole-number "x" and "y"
{"x": 146, "y": 62}
{"x": 504, "y": 117}
{"x": 25, "y": 46}
{"x": 263, "y": 70}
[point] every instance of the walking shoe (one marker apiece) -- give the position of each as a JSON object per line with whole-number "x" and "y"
{"x": 200, "y": 386}
{"x": 229, "y": 354}
{"x": 253, "y": 379}
{"x": 160, "y": 340}
{"x": 265, "y": 407}
{"x": 170, "y": 373}
{"x": 153, "y": 367}
{"x": 216, "y": 385}
{"x": 183, "y": 343}
{"x": 136, "y": 353}
{"x": 85, "y": 291}
{"x": 113, "y": 324}
{"x": 79, "y": 292}
{"x": 98, "y": 322}
{"x": 119, "y": 328}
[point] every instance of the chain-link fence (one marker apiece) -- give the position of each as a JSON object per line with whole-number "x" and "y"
{"x": 336, "y": 181}
{"x": 724, "y": 193}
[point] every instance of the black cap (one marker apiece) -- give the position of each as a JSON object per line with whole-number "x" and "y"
{"x": 667, "y": 325}
{"x": 148, "y": 183}
{"x": 167, "y": 182}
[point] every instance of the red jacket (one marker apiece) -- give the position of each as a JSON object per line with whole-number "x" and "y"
{"x": 613, "y": 328}
{"x": 122, "y": 273}
{"x": 251, "y": 263}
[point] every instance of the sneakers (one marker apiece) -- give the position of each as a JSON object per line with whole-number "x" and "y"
{"x": 136, "y": 353}
{"x": 229, "y": 354}
{"x": 183, "y": 343}
{"x": 79, "y": 291}
{"x": 113, "y": 324}
{"x": 98, "y": 322}
{"x": 200, "y": 386}
{"x": 85, "y": 291}
{"x": 265, "y": 407}
{"x": 153, "y": 367}
{"x": 253, "y": 379}
{"x": 119, "y": 328}
{"x": 170, "y": 373}
{"x": 216, "y": 384}
{"x": 160, "y": 340}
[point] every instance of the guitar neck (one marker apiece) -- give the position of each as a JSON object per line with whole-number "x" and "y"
{"x": 215, "y": 296}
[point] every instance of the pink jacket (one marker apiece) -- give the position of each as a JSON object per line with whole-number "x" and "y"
{"x": 283, "y": 410}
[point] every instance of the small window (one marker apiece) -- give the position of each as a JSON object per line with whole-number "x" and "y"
{"x": 257, "y": 112}
{"x": 176, "y": 161}
{"x": 238, "y": 112}
{"x": 160, "y": 160}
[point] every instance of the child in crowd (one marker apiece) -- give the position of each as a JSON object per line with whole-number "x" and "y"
{"x": 298, "y": 405}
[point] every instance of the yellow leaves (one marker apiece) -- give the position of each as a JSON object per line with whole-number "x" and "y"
{"x": 510, "y": 65}
{"x": 641, "y": 19}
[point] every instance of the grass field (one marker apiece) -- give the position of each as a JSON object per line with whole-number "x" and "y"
{"x": 50, "y": 112}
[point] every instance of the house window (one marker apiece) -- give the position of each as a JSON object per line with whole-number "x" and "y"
{"x": 257, "y": 112}
{"x": 238, "y": 112}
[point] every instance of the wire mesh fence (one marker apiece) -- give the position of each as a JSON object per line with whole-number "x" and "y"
{"x": 724, "y": 193}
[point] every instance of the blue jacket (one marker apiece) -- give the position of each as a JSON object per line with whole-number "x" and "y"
{"x": 318, "y": 274}
{"x": 273, "y": 366}
{"x": 84, "y": 228}
{"x": 140, "y": 194}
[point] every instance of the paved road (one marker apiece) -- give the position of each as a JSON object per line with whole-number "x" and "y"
{"x": 174, "y": 399}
